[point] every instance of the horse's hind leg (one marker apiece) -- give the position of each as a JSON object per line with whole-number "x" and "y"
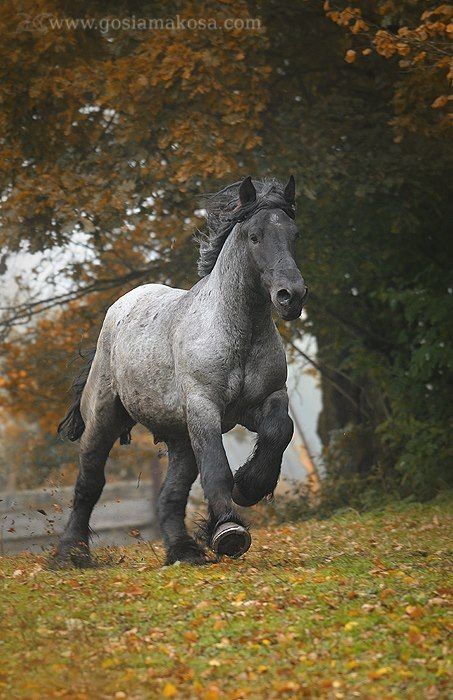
{"x": 182, "y": 472}
{"x": 101, "y": 431}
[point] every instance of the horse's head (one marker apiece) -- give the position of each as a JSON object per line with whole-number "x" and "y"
{"x": 271, "y": 238}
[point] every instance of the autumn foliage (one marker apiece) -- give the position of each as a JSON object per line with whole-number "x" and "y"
{"x": 419, "y": 39}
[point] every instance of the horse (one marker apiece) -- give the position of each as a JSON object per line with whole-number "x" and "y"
{"x": 190, "y": 365}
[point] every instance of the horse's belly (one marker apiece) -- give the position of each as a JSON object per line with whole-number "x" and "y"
{"x": 145, "y": 380}
{"x": 153, "y": 404}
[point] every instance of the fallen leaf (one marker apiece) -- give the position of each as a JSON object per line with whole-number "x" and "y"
{"x": 383, "y": 671}
{"x": 437, "y": 601}
{"x": 414, "y": 611}
{"x": 169, "y": 690}
{"x": 351, "y": 625}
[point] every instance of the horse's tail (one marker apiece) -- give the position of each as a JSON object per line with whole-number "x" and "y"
{"x": 72, "y": 425}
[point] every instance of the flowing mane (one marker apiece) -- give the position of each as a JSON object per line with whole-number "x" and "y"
{"x": 224, "y": 211}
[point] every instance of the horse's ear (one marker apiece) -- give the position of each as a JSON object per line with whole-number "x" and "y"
{"x": 290, "y": 190}
{"x": 247, "y": 192}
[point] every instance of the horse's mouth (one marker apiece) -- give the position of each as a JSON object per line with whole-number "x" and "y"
{"x": 290, "y": 313}
{"x": 290, "y": 316}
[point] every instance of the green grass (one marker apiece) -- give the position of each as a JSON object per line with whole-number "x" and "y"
{"x": 353, "y": 606}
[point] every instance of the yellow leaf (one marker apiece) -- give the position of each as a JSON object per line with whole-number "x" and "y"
{"x": 383, "y": 671}
{"x": 350, "y": 56}
{"x": 350, "y": 625}
{"x": 169, "y": 690}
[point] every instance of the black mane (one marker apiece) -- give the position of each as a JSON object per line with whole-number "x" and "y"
{"x": 224, "y": 211}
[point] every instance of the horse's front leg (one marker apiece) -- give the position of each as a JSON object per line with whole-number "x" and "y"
{"x": 225, "y": 532}
{"x": 258, "y": 477}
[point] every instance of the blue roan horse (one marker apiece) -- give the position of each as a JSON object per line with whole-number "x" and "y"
{"x": 190, "y": 365}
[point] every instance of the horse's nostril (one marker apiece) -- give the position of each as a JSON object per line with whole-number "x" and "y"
{"x": 283, "y": 296}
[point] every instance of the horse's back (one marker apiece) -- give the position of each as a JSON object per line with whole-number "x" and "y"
{"x": 143, "y": 298}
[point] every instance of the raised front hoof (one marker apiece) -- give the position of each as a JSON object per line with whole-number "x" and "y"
{"x": 231, "y": 540}
{"x": 187, "y": 552}
{"x": 241, "y": 500}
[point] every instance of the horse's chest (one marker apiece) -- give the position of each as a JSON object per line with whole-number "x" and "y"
{"x": 261, "y": 372}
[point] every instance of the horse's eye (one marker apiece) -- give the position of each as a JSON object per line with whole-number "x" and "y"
{"x": 254, "y": 238}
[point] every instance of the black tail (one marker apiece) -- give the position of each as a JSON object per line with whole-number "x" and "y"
{"x": 72, "y": 425}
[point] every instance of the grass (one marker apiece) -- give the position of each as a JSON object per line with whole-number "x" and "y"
{"x": 353, "y": 606}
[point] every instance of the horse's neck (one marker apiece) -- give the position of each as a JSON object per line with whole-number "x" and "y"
{"x": 236, "y": 287}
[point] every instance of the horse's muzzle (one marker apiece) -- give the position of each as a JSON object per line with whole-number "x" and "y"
{"x": 290, "y": 302}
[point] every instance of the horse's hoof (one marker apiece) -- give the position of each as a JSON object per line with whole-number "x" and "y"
{"x": 188, "y": 553}
{"x": 57, "y": 562}
{"x": 231, "y": 539}
{"x": 240, "y": 499}
{"x": 72, "y": 555}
